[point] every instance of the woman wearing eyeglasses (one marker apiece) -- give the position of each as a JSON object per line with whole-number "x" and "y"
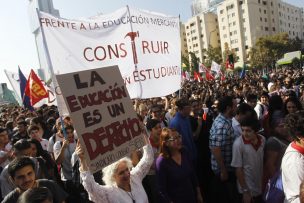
{"x": 123, "y": 183}
{"x": 175, "y": 173}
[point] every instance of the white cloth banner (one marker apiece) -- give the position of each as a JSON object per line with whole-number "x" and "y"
{"x": 145, "y": 46}
{"x": 215, "y": 67}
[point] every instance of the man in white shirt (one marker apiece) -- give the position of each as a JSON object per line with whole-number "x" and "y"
{"x": 293, "y": 159}
{"x": 243, "y": 111}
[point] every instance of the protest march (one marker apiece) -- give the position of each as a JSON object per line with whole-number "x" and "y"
{"x": 122, "y": 119}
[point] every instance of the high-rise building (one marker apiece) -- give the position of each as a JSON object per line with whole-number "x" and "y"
{"x": 200, "y": 6}
{"x": 243, "y": 22}
{"x": 202, "y": 31}
{"x": 184, "y": 48}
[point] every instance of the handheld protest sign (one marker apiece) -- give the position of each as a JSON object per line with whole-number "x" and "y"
{"x": 103, "y": 115}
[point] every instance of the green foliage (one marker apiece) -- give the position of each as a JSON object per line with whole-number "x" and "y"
{"x": 185, "y": 63}
{"x": 269, "y": 49}
{"x": 194, "y": 62}
{"x": 213, "y": 54}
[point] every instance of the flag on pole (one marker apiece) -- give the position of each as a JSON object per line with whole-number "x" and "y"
{"x": 197, "y": 76}
{"x": 209, "y": 76}
{"x": 230, "y": 62}
{"x": 35, "y": 89}
{"x": 243, "y": 73}
{"x": 22, "y": 83}
{"x": 215, "y": 67}
{"x": 202, "y": 68}
{"x": 13, "y": 79}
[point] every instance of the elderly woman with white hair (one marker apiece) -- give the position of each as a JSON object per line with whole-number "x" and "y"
{"x": 123, "y": 183}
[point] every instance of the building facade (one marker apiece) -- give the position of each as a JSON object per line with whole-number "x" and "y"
{"x": 201, "y": 6}
{"x": 184, "y": 48}
{"x": 243, "y": 22}
{"x": 202, "y": 31}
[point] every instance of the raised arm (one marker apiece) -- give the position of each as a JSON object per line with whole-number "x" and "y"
{"x": 143, "y": 166}
{"x": 97, "y": 193}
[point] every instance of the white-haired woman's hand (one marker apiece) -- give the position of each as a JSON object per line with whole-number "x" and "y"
{"x": 79, "y": 151}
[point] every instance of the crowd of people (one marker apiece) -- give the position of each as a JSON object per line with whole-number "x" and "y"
{"x": 220, "y": 141}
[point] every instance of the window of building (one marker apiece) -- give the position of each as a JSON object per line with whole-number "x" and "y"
{"x": 221, "y": 11}
{"x": 272, "y": 12}
{"x": 233, "y": 14}
{"x": 192, "y": 24}
{"x": 261, "y": 19}
{"x": 266, "y": 28}
{"x": 260, "y": 10}
{"x": 273, "y": 29}
{"x": 234, "y": 23}
{"x": 265, "y": 19}
{"x": 259, "y": 1}
{"x": 236, "y": 49}
{"x": 202, "y": 35}
{"x": 244, "y": 20}
{"x": 230, "y": 33}
{"x": 271, "y": 4}
{"x": 246, "y": 47}
{"x": 264, "y": 11}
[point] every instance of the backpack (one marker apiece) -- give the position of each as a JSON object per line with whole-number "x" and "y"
{"x": 274, "y": 192}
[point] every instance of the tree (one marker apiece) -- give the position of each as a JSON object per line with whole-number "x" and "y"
{"x": 185, "y": 61}
{"x": 269, "y": 49}
{"x": 194, "y": 62}
{"x": 213, "y": 54}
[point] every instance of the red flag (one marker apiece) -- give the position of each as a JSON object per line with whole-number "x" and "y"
{"x": 222, "y": 76}
{"x": 184, "y": 75}
{"x": 197, "y": 76}
{"x": 209, "y": 76}
{"x": 35, "y": 89}
{"x": 229, "y": 62}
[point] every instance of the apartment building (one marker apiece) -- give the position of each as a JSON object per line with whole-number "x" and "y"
{"x": 184, "y": 48}
{"x": 201, "y": 31}
{"x": 243, "y": 22}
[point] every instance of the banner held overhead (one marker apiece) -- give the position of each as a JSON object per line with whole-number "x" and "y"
{"x": 128, "y": 38}
{"x": 102, "y": 113}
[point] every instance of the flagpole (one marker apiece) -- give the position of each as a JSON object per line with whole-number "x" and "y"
{"x": 135, "y": 65}
{"x": 181, "y": 69}
{"x": 50, "y": 66}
